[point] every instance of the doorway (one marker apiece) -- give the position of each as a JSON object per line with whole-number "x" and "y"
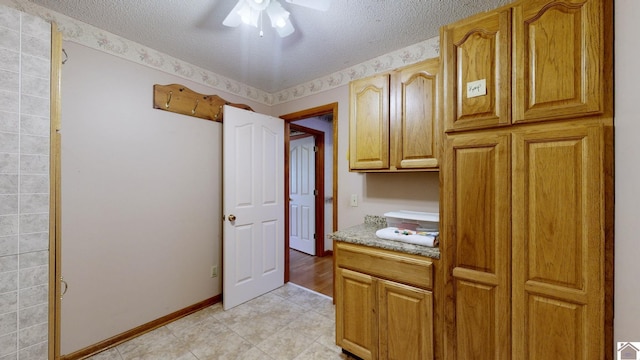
{"x": 325, "y": 111}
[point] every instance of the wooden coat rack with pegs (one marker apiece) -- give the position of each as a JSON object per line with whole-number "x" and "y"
{"x": 182, "y": 100}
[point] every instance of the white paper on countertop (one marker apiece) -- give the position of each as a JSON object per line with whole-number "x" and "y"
{"x": 419, "y": 238}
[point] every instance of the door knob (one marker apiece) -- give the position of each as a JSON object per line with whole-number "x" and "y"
{"x": 232, "y": 217}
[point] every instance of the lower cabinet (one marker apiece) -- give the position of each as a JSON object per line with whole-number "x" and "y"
{"x": 384, "y": 303}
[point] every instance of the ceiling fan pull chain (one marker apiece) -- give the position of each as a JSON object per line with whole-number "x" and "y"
{"x": 261, "y": 32}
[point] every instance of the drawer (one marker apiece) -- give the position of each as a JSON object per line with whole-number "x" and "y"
{"x": 408, "y": 269}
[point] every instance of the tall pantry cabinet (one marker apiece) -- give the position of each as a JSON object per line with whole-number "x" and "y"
{"x": 527, "y": 207}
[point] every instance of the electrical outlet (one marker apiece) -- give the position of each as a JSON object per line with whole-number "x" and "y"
{"x": 214, "y": 271}
{"x": 354, "y": 200}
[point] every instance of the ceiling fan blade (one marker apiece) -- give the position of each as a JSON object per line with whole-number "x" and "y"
{"x": 322, "y": 5}
{"x": 234, "y": 19}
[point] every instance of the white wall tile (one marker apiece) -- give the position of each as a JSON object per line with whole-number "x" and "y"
{"x": 9, "y": 18}
{"x": 13, "y": 356}
{"x": 8, "y": 263}
{"x": 8, "y": 302}
{"x": 8, "y": 245}
{"x": 8, "y": 281}
{"x": 33, "y": 259}
{"x": 33, "y": 315}
{"x": 33, "y": 85}
{"x": 35, "y": 46}
{"x": 31, "y": 144}
{"x": 9, "y": 183}
{"x": 9, "y": 225}
{"x": 33, "y": 203}
{"x": 34, "y": 223}
{"x": 33, "y": 105}
{"x": 9, "y": 60}
{"x": 8, "y": 344}
{"x": 9, "y": 122}
{"x": 38, "y": 184}
{"x": 9, "y": 80}
{"x": 9, "y": 101}
{"x": 35, "y": 125}
{"x": 9, "y": 163}
{"x": 9, "y": 142}
{"x": 34, "y": 296}
{"x": 35, "y": 352}
{"x": 33, "y": 276}
{"x": 36, "y": 26}
{"x": 32, "y": 335}
{"x": 34, "y": 164}
{"x": 35, "y": 66}
{"x": 33, "y": 242}
{"x": 8, "y": 204}
{"x": 8, "y": 323}
{"x": 9, "y": 39}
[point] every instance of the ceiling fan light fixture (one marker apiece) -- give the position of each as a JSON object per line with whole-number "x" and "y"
{"x": 278, "y": 15}
{"x": 250, "y": 13}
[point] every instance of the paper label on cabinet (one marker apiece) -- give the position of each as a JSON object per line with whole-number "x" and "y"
{"x": 476, "y": 88}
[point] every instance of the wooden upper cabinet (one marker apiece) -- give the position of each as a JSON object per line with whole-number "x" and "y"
{"x": 395, "y": 120}
{"x": 415, "y": 126}
{"x": 369, "y": 123}
{"x": 476, "y": 57}
{"x": 559, "y": 59}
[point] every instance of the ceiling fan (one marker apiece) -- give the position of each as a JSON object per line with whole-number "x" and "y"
{"x": 250, "y": 13}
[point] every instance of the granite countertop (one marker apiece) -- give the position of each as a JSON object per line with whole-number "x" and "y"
{"x": 365, "y": 234}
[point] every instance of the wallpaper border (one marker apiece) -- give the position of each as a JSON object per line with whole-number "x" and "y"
{"x": 95, "y": 38}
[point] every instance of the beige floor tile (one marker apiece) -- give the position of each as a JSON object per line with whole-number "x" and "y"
{"x": 319, "y": 352}
{"x": 285, "y": 324}
{"x": 286, "y": 344}
{"x": 110, "y": 354}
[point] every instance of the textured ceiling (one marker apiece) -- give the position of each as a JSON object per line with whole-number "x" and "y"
{"x": 350, "y": 32}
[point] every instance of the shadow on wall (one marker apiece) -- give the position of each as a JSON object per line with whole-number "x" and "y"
{"x": 412, "y": 187}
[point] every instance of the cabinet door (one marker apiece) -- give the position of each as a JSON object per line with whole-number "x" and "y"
{"x": 559, "y": 243}
{"x": 476, "y": 250}
{"x": 477, "y": 71}
{"x": 369, "y": 123}
{"x": 356, "y": 321}
{"x": 415, "y": 127}
{"x": 559, "y": 59}
{"x": 405, "y": 322}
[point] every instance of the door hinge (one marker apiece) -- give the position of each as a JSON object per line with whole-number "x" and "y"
{"x": 314, "y": 236}
{"x": 315, "y": 149}
{"x": 315, "y": 192}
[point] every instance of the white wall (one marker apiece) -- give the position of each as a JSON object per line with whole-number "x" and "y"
{"x": 377, "y": 193}
{"x": 141, "y": 199}
{"x": 627, "y": 171}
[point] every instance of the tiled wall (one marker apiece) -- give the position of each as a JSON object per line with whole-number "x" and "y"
{"x": 25, "y": 49}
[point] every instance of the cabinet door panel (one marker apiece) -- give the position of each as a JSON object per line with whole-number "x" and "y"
{"x": 416, "y": 139}
{"x": 477, "y": 230}
{"x": 558, "y": 242}
{"x": 406, "y": 318}
{"x": 356, "y": 321}
{"x": 474, "y": 50}
{"x": 369, "y": 123}
{"x": 559, "y": 59}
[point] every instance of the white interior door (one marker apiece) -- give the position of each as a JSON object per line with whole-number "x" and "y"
{"x": 253, "y": 205}
{"x": 302, "y": 214}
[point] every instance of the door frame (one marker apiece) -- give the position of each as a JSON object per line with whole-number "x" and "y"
{"x": 332, "y": 109}
{"x": 318, "y": 142}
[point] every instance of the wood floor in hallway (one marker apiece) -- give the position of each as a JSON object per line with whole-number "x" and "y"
{"x": 312, "y": 272}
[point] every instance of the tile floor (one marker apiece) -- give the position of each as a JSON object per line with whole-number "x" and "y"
{"x": 288, "y": 323}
